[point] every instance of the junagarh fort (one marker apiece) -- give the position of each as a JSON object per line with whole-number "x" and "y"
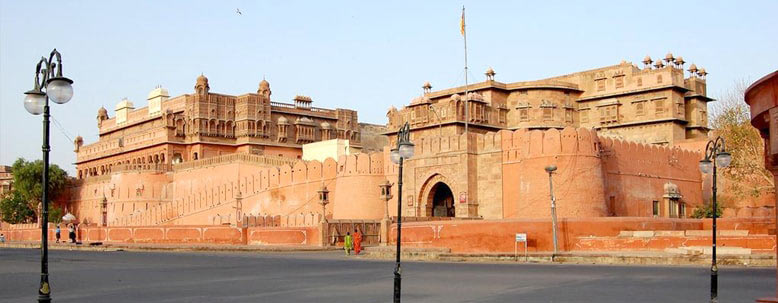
{"x": 208, "y": 167}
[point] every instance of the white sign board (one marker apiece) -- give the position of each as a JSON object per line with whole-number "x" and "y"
{"x": 521, "y": 237}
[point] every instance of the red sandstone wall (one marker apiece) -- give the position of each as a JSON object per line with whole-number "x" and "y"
{"x": 499, "y": 236}
{"x": 209, "y": 193}
{"x": 636, "y": 174}
{"x": 573, "y": 234}
{"x": 185, "y": 234}
{"x": 309, "y": 236}
{"x": 578, "y": 181}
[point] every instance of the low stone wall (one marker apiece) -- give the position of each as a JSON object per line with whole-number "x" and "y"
{"x": 497, "y": 236}
{"x": 181, "y": 234}
{"x": 759, "y": 225}
{"x": 309, "y": 236}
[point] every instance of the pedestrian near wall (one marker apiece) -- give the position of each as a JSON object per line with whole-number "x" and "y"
{"x": 357, "y": 241}
{"x": 57, "y": 233}
{"x": 2, "y": 238}
{"x": 347, "y": 243}
{"x": 72, "y": 233}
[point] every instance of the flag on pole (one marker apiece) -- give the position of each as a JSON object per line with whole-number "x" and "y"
{"x": 462, "y": 22}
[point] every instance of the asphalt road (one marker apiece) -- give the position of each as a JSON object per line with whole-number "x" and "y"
{"x": 86, "y": 276}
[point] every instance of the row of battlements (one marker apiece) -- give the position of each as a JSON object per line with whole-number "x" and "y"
{"x": 529, "y": 143}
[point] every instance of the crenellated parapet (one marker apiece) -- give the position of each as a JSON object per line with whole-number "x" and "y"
{"x": 523, "y": 144}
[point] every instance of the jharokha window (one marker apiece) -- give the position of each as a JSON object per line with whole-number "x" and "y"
{"x": 619, "y": 81}
{"x": 609, "y": 114}
{"x": 524, "y": 114}
{"x": 703, "y": 117}
{"x": 548, "y": 114}
{"x": 659, "y": 106}
{"x": 640, "y": 108}
{"x": 600, "y": 85}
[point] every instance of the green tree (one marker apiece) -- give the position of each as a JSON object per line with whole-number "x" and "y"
{"x": 14, "y": 209}
{"x": 706, "y": 211}
{"x": 28, "y": 185}
{"x": 55, "y": 214}
{"x": 731, "y": 119}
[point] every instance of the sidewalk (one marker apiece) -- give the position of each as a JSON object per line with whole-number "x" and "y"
{"x": 604, "y": 257}
{"x": 168, "y": 247}
{"x": 441, "y": 254}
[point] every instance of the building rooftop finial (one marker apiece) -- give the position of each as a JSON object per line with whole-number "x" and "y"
{"x": 490, "y": 74}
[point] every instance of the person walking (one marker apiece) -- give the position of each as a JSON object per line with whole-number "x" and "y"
{"x": 347, "y": 243}
{"x": 57, "y": 233}
{"x": 2, "y": 238}
{"x": 72, "y": 233}
{"x": 357, "y": 241}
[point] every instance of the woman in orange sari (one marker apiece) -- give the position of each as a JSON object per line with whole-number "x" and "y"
{"x": 357, "y": 241}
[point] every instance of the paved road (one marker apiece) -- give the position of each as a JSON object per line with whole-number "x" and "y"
{"x": 85, "y": 276}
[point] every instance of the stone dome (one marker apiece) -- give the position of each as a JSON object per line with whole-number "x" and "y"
{"x": 283, "y": 120}
{"x": 474, "y": 96}
{"x": 264, "y": 84}
{"x": 202, "y": 79}
{"x": 671, "y": 190}
{"x": 304, "y": 120}
{"x": 669, "y": 57}
{"x": 702, "y": 72}
{"x": 647, "y": 60}
{"x": 427, "y": 85}
{"x": 490, "y": 71}
{"x": 679, "y": 60}
{"x": 693, "y": 68}
{"x": 102, "y": 111}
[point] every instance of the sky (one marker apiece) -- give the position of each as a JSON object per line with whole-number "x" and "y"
{"x": 362, "y": 55}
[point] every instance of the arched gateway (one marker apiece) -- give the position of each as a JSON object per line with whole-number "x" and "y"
{"x": 437, "y": 198}
{"x": 442, "y": 201}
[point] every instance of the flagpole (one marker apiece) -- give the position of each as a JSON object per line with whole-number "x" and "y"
{"x": 467, "y": 100}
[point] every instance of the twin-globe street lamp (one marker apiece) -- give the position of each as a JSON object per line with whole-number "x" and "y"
{"x": 404, "y": 150}
{"x": 59, "y": 89}
{"x": 715, "y": 155}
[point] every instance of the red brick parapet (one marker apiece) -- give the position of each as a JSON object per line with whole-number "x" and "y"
{"x": 762, "y": 97}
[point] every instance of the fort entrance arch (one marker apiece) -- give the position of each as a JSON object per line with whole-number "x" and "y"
{"x": 437, "y": 198}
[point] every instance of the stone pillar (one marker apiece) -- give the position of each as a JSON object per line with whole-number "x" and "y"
{"x": 324, "y": 233}
{"x": 386, "y": 223}
{"x": 762, "y": 97}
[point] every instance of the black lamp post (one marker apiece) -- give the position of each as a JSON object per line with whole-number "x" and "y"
{"x": 715, "y": 155}
{"x": 59, "y": 89}
{"x": 404, "y": 150}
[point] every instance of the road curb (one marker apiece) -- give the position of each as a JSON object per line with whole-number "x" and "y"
{"x": 155, "y": 247}
{"x": 609, "y": 258}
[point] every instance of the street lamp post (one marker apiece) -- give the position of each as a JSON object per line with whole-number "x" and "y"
{"x": 404, "y": 150}
{"x": 715, "y": 155}
{"x": 48, "y": 85}
{"x": 550, "y": 170}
